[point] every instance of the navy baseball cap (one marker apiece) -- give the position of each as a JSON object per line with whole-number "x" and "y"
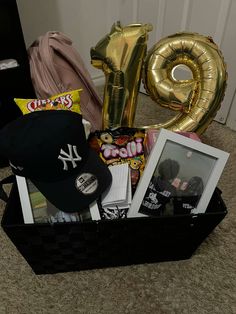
{"x": 50, "y": 148}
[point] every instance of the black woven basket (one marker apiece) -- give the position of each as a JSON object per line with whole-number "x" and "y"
{"x": 64, "y": 247}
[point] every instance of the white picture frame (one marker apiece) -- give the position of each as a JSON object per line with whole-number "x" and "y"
{"x": 25, "y": 200}
{"x": 37, "y": 209}
{"x": 200, "y": 160}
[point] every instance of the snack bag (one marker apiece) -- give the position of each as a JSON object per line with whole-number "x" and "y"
{"x": 65, "y": 101}
{"x": 120, "y": 146}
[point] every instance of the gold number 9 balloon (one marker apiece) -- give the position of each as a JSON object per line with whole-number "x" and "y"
{"x": 121, "y": 55}
{"x": 196, "y": 99}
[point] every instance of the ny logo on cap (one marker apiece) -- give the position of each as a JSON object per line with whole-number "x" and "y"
{"x": 64, "y": 156}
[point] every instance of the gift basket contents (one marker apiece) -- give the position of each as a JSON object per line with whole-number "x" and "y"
{"x": 81, "y": 163}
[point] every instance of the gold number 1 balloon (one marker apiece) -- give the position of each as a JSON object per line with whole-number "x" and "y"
{"x": 120, "y": 55}
{"x": 196, "y": 99}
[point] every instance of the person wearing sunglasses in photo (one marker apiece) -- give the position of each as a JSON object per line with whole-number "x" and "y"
{"x": 160, "y": 190}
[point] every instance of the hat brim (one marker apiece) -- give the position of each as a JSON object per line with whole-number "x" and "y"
{"x": 78, "y": 191}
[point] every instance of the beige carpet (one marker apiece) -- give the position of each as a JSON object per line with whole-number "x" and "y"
{"x": 206, "y": 283}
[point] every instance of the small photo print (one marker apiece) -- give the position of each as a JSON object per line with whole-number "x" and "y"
{"x": 112, "y": 212}
{"x": 178, "y": 181}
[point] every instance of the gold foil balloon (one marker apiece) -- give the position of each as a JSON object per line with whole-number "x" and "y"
{"x": 197, "y": 99}
{"x": 120, "y": 55}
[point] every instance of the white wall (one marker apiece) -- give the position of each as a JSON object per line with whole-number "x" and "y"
{"x": 80, "y": 20}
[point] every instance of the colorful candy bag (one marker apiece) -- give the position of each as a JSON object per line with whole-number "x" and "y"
{"x": 119, "y": 146}
{"x": 65, "y": 101}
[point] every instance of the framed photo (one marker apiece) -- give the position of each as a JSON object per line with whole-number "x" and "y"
{"x": 180, "y": 177}
{"x": 37, "y": 209}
